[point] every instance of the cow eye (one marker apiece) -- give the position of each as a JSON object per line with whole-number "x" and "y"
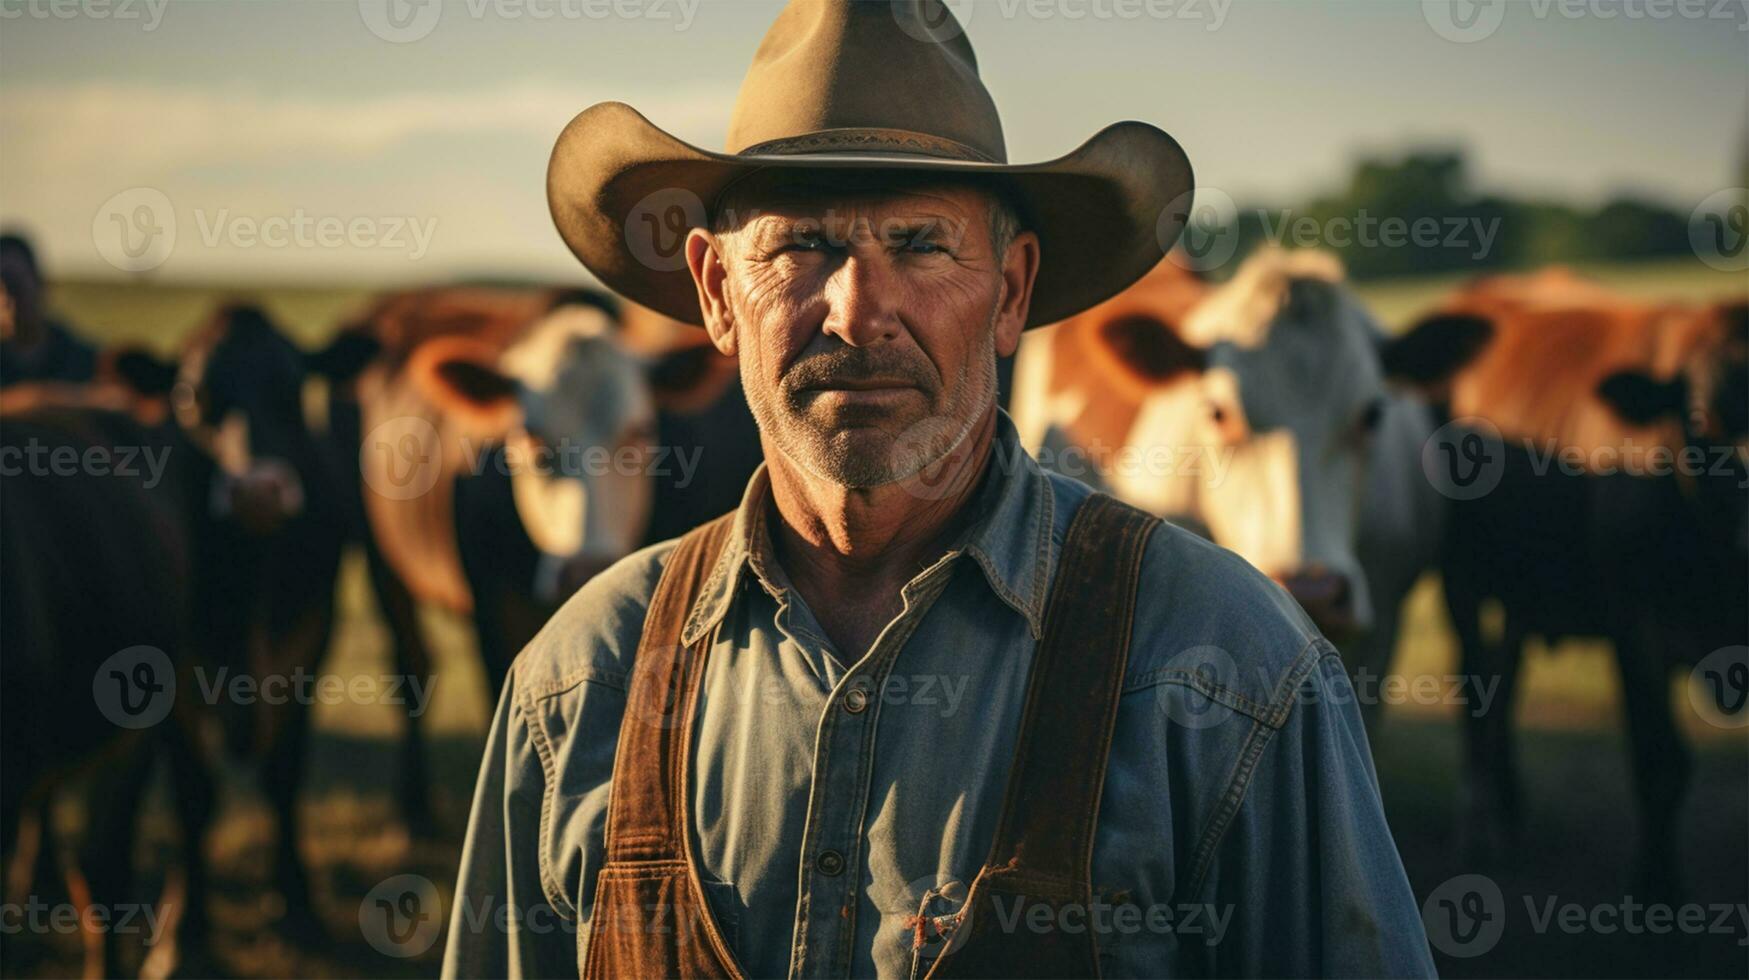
{"x": 1371, "y": 416}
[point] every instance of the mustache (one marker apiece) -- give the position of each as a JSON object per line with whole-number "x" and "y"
{"x": 844, "y": 364}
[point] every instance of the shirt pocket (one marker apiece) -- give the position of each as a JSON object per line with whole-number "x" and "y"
{"x": 725, "y": 907}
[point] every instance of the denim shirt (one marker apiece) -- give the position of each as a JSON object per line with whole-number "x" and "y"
{"x": 1240, "y": 829}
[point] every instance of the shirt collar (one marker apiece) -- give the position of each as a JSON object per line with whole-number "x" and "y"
{"x": 1010, "y": 540}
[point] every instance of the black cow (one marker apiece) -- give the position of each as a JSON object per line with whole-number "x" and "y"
{"x": 1653, "y": 556}
{"x": 227, "y": 562}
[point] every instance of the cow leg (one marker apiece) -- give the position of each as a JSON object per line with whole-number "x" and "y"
{"x": 282, "y": 775}
{"x": 183, "y": 943}
{"x": 412, "y": 661}
{"x": 1661, "y": 761}
{"x": 1491, "y": 669}
{"x": 106, "y": 866}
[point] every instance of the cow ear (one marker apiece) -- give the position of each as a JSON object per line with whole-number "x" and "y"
{"x": 1433, "y": 350}
{"x": 1642, "y": 400}
{"x": 1151, "y": 349}
{"x": 143, "y": 372}
{"x": 458, "y": 376}
{"x": 350, "y": 352}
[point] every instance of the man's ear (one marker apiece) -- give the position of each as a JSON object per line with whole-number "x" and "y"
{"x": 1430, "y": 352}
{"x": 1642, "y": 400}
{"x": 704, "y": 257}
{"x": 1019, "y": 271}
{"x": 457, "y": 374}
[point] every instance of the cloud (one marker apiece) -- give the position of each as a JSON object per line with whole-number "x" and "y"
{"x": 246, "y": 154}
{"x": 66, "y": 132}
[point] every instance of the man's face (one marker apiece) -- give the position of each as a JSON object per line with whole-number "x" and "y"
{"x": 867, "y": 323}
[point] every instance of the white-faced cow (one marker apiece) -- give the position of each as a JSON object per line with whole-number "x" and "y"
{"x": 1258, "y": 411}
{"x": 512, "y": 443}
{"x": 1620, "y": 511}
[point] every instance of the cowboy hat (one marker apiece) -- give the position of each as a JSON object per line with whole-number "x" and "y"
{"x": 843, "y": 85}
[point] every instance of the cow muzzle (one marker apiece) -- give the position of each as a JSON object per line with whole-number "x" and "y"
{"x": 1327, "y": 596}
{"x": 261, "y": 498}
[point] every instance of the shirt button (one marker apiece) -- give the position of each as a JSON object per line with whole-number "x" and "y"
{"x": 856, "y": 700}
{"x": 830, "y": 863}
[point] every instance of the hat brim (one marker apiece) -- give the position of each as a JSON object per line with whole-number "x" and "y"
{"x": 623, "y": 194}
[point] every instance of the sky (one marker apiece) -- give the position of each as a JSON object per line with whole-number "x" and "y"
{"x": 407, "y": 140}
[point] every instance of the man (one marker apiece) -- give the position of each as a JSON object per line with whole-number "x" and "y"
{"x": 32, "y": 346}
{"x": 917, "y": 708}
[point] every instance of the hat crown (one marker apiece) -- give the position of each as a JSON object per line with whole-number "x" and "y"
{"x": 837, "y": 75}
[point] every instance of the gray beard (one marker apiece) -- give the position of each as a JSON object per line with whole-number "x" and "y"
{"x": 824, "y": 457}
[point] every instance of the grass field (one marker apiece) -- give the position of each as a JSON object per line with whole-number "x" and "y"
{"x": 1576, "y": 845}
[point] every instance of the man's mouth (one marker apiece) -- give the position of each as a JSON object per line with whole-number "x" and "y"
{"x": 860, "y": 384}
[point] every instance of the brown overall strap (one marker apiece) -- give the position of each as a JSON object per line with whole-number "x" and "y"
{"x": 647, "y": 808}
{"x": 1043, "y": 849}
{"x": 650, "y": 917}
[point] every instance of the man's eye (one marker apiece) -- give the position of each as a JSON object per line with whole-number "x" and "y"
{"x": 923, "y": 248}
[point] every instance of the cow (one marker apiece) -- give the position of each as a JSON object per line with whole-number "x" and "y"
{"x": 512, "y": 443}
{"x": 224, "y": 559}
{"x": 1269, "y": 412}
{"x": 1583, "y": 404}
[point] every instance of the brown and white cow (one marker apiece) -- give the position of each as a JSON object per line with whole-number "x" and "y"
{"x": 1257, "y": 411}
{"x": 1616, "y": 506}
{"x": 514, "y": 442}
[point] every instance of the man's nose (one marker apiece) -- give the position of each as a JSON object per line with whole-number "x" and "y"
{"x": 863, "y": 295}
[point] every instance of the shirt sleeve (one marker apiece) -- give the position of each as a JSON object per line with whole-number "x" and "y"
{"x": 502, "y": 923}
{"x": 1307, "y": 872}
